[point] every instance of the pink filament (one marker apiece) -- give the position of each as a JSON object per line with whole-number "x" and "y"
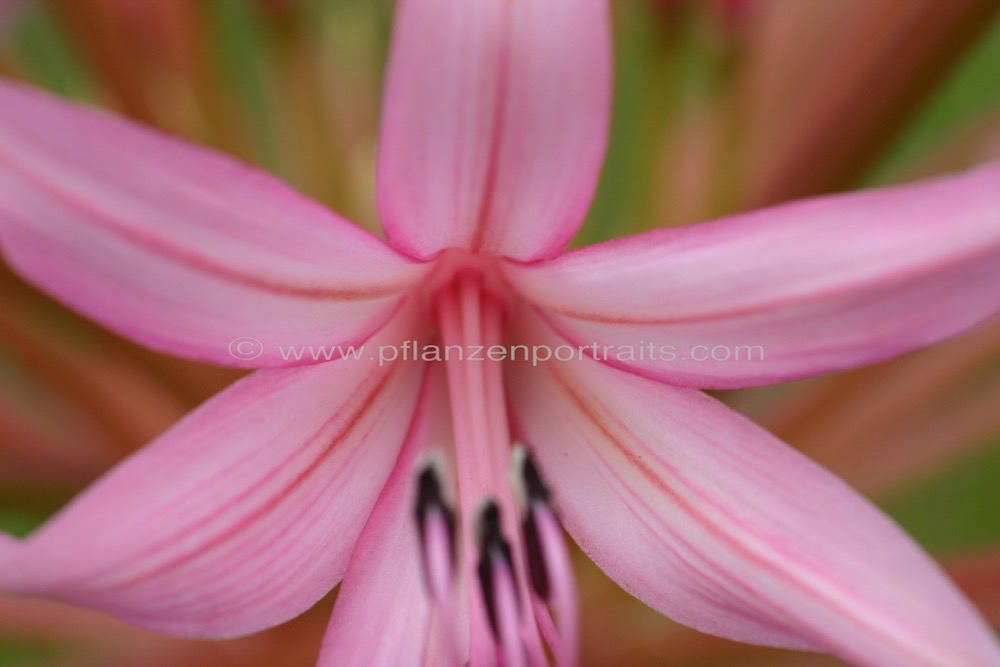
{"x": 471, "y": 319}
{"x": 505, "y": 593}
{"x": 562, "y": 586}
{"x": 441, "y": 580}
{"x": 473, "y": 463}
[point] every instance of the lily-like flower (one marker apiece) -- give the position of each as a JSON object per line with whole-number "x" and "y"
{"x": 394, "y": 475}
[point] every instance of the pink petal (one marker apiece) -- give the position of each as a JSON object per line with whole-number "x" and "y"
{"x": 707, "y": 518}
{"x": 179, "y": 248}
{"x": 238, "y": 518}
{"x": 495, "y": 124}
{"x": 383, "y": 616}
{"x": 812, "y": 286}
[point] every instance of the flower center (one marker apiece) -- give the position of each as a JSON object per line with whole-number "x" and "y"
{"x": 513, "y": 560}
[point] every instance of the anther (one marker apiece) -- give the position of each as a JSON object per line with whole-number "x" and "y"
{"x": 536, "y": 495}
{"x": 535, "y": 488}
{"x": 498, "y": 584}
{"x": 494, "y": 552}
{"x": 436, "y": 523}
{"x": 548, "y": 562}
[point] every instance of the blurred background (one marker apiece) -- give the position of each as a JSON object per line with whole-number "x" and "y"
{"x": 721, "y": 105}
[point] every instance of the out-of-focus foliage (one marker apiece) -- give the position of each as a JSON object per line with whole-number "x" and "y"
{"x": 720, "y": 105}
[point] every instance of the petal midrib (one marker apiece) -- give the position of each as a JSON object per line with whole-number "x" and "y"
{"x": 484, "y": 214}
{"x": 759, "y": 553}
{"x": 829, "y": 293}
{"x": 273, "y": 501}
{"x": 185, "y": 256}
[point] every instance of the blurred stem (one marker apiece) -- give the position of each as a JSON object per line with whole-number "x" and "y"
{"x": 306, "y": 143}
{"x": 967, "y": 103}
{"x": 695, "y": 178}
{"x": 952, "y": 511}
{"x": 234, "y": 32}
{"x": 884, "y": 426}
{"x": 41, "y": 49}
{"x": 978, "y": 575}
{"x": 98, "y": 37}
{"x": 617, "y": 203}
{"x": 129, "y": 405}
{"x": 892, "y": 55}
{"x": 349, "y": 56}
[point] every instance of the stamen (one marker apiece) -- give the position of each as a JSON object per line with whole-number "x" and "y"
{"x": 548, "y": 559}
{"x": 533, "y": 490}
{"x": 470, "y": 318}
{"x": 436, "y": 524}
{"x": 499, "y": 586}
{"x": 494, "y": 552}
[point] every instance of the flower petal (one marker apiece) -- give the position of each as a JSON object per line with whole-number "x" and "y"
{"x": 786, "y": 292}
{"x": 179, "y": 248}
{"x": 495, "y": 124}
{"x": 238, "y": 518}
{"x": 383, "y": 615}
{"x": 712, "y": 521}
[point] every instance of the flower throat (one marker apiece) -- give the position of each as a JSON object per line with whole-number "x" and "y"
{"x": 514, "y": 563}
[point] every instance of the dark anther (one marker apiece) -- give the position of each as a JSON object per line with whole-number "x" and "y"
{"x": 430, "y": 499}
{"x": 538, "y": 500}
{"x": 494, "y": 551}
{"x": 533, "y": 484}
{"x": 537, "y": 572}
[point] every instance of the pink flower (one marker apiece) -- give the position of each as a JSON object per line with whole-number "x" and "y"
{"x": 395, "y": 477}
